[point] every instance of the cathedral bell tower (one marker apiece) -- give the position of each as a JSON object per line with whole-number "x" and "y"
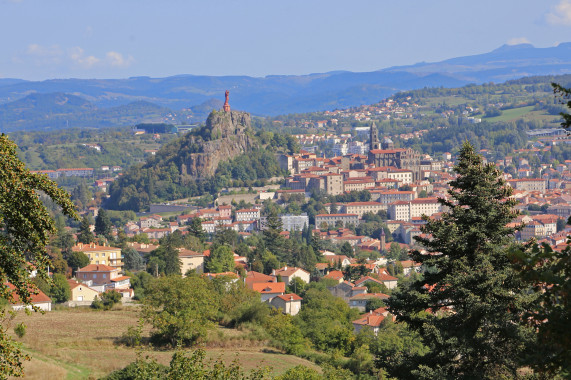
{"x": 374, "y": 137}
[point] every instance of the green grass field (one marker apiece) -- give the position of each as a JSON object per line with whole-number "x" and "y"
{"x": 510, "y": 114}
{"x": 81, "y": 344}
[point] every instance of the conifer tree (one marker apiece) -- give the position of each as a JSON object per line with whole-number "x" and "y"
{"x": 103, "y": 224}
{"x": 195, "y": 228}
{"x": 473, "y": 295}
{"x": 85, "y": 235}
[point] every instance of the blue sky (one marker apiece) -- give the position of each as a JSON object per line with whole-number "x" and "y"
{"x": 43, "y": 39}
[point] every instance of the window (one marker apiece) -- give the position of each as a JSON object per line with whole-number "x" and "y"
{"x": 94, "y": 275}
{"x": 104, "y": 275}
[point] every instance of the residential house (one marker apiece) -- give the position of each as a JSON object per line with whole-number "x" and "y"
{"x": 81, "y": 294}
{"x": 289, "y": 273}
{"x": 190, "y": 261}
{"x": 288, "y": 303}
{"x": 101, "y": 254}
{"x": 359, "y": 301}
{"x": 38, "y": 299}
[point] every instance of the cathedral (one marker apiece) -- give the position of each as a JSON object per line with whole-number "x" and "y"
{"x": 385, "y": 154}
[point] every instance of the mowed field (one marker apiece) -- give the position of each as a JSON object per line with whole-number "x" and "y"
{"x": 81, "y": 344}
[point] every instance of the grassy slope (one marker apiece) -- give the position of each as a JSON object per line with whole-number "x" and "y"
{"x": 79, "y": 344}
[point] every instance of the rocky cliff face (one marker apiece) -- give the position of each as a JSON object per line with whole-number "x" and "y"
{"x": 229, "y": 138}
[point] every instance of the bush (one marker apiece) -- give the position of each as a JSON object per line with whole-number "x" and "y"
{"x": 107, "y": 301}
{"x": 20, "y": 329}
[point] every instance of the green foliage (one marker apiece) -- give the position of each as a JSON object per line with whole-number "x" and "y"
{"x": 164, "y": 260}
{"x": 20, "y": 330}
{"x": 221, "y": 260}
{"x": 179, "y": 310}
{"x": 482, "y": 337}
{"x": 300, "y": 372}
{"x": 547, "y": 271}
{"x": 285, "y": 333}
{"x": 85, "y": 235}
{"x": 374, "y": 304}
{"x": 187, "y": 365}
{"x": 195, "y": 228}
{"x": 60, "y": 290}
{"x": 132, "y": 259}
{"x": 565, "y": 95}
{"x": 29, "y": 225}
{"x": 326, "y": 321}
{"x": 107, "y": 300}
{"x": 103, "y": 224}
{"x": 77, "y": 260}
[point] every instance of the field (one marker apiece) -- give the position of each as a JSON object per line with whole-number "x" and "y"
{"x": 81, "y": 344}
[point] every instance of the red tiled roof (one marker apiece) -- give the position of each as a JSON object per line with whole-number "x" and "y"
{"x": 40, "y": 297}
{"x": 97, "y": 268}
{"x": 120, "y": 278}
{"x": 269, "y": 287}
{"x": 290, "y": 297}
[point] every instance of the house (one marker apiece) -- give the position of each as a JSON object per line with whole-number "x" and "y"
{"x": 383, "y": 277}
{"x": 102, "y": 277}
{"x": 372, "y": 320}
{"x": 254, "y": 277}
{"x": 81, "y": 294}
{"x": 346, "y": 290}
{"x": 190, "y": 261}
{"x": 268, "y": 290}
{"x": 39, "y": 299}
{"x": 288, "y": 303}
{"x": 359, "y": 301}
{"x": 101, "y": 254}
{"x": 409, "y": 266}
{"x": 289, "y": 273}
{"x": 336, "y": 275}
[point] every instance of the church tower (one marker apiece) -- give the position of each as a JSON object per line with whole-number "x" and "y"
{"x": 374, "y": 137}
{"x": 383, "y": 240}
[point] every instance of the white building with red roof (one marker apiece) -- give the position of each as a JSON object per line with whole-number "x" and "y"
{"x": 287, "y": 303}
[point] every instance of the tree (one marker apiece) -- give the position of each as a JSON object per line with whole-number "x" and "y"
{"x": 60, "y": 290}
{"x": 77, "y": 260}
{"x": 103, "y": 224}
{"x": 475, "y": 296}
{"x": 394, "y": 251}
{"x": 180, "y": 310}
{"x": 85, "y": 235}
{"x": 547, "y": 271}
{"x": 565, "y": 94}
{"x": 26, "y": 225}
{"x": 195, "y": 228}
{"x": 132, "y": 259}
{"x": 221, "y": 260}
{"x": 272, "y": 238}
{"x": 347, "y": 249}
{"x": 164, "y": 260}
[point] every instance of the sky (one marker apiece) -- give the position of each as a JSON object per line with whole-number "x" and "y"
{"x": 42, "y": 39}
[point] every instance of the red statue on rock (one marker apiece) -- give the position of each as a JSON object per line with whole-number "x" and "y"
{"x": 226, "y": 105}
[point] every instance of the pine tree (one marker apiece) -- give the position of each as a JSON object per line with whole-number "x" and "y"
{"x": 103, "y": 224}
{"x": 195, "y": 228}
{"x": 85, "y": 235}
{"x": 272, "y": 238}
{"x": 473, "y": 294}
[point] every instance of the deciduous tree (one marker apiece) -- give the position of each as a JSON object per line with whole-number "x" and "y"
{"x": 25, "y": 228}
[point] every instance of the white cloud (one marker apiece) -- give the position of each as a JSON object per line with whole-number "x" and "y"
{"x": 117, "y": 60}
{"x": 44, "y": 55}
{"x": 560, "y": 14}
{"x": 78, "y": 57}
{"x": 517, "y": 41}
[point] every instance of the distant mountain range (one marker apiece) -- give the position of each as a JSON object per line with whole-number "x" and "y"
{"x": 271, "y": 95}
